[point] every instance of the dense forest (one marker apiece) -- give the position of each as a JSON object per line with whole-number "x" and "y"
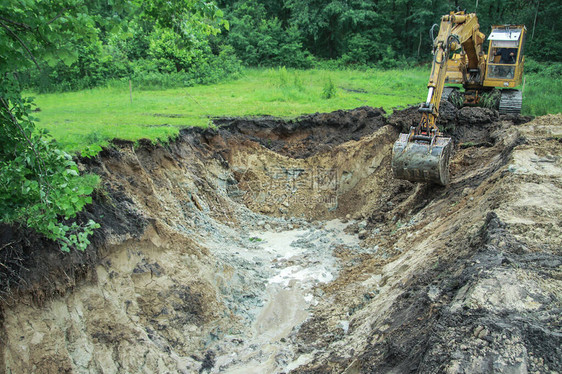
{"x": 371, "y": 32}
{"x": 133, "y": 42}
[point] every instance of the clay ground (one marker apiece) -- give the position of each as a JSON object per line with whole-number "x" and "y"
{"x": 267, "y": 246}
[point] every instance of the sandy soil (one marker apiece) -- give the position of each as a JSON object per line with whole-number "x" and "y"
{"x": 268, "y": 246}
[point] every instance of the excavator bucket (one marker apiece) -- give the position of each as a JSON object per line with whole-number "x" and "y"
{"x": 422, "y": 161}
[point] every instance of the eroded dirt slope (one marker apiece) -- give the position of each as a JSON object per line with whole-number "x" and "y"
{"x": 273, "y": 246}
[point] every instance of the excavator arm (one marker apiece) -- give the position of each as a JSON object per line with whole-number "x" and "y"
{"x": 457, "y": 30}
{"x": 423, "y": 154}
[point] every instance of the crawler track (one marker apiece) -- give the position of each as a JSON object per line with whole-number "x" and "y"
{"x": 510, "y": 102}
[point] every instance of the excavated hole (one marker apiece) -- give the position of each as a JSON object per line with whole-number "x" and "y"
{"x": 314, "y": 184}
{"x": 324, "y": 196}
{"x": 264, "y": 246}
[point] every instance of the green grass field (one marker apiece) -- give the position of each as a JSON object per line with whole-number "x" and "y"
{"x": 79, "y": 119}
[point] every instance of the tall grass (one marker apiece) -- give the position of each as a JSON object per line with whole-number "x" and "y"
{"x": 542, "y": 92}
{"x": 542, "y": 95}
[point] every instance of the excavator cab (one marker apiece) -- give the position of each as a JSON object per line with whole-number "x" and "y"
{"x": 504, "y": 70}
{"x": 505, "y": 56}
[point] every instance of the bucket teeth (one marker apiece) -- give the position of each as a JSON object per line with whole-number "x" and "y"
{"x": 421, "y": 161}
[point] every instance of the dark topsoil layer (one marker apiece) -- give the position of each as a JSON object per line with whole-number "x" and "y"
{"x": 307, "y": 135}
{"x": 34, "y": 265}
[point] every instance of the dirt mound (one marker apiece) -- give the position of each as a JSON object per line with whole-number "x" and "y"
{"x": 450, "y": 117}
{"x": 272, "y": 246}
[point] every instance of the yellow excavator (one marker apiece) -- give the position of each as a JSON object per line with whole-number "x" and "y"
{"x": 423, "y": 154}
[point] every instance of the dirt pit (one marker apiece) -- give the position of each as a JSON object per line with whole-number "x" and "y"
{"x": 267, "y": 246}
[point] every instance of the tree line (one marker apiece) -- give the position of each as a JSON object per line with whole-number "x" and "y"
{"x": 383, "y": 32}
{"x": 124, "y": 43}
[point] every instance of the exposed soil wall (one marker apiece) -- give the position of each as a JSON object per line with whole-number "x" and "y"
{"x": 274, "y": 246}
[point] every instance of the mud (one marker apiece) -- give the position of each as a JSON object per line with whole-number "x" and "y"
{"x": 279, "y": 246}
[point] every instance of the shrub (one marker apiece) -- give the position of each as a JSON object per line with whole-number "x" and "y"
{"x": 40, "y": 185}
{"x": 329, "y": 90}
{"x": 212, "y": 69}
{"x": 545, "y": 69}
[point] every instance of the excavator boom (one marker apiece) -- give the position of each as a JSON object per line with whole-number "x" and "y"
{"x": 423, "y": 154}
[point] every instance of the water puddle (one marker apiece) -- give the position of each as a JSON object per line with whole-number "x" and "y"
{"x": 295, "y": 261}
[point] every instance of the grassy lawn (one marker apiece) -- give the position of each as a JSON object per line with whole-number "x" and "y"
{"x": 78, "y": 119}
